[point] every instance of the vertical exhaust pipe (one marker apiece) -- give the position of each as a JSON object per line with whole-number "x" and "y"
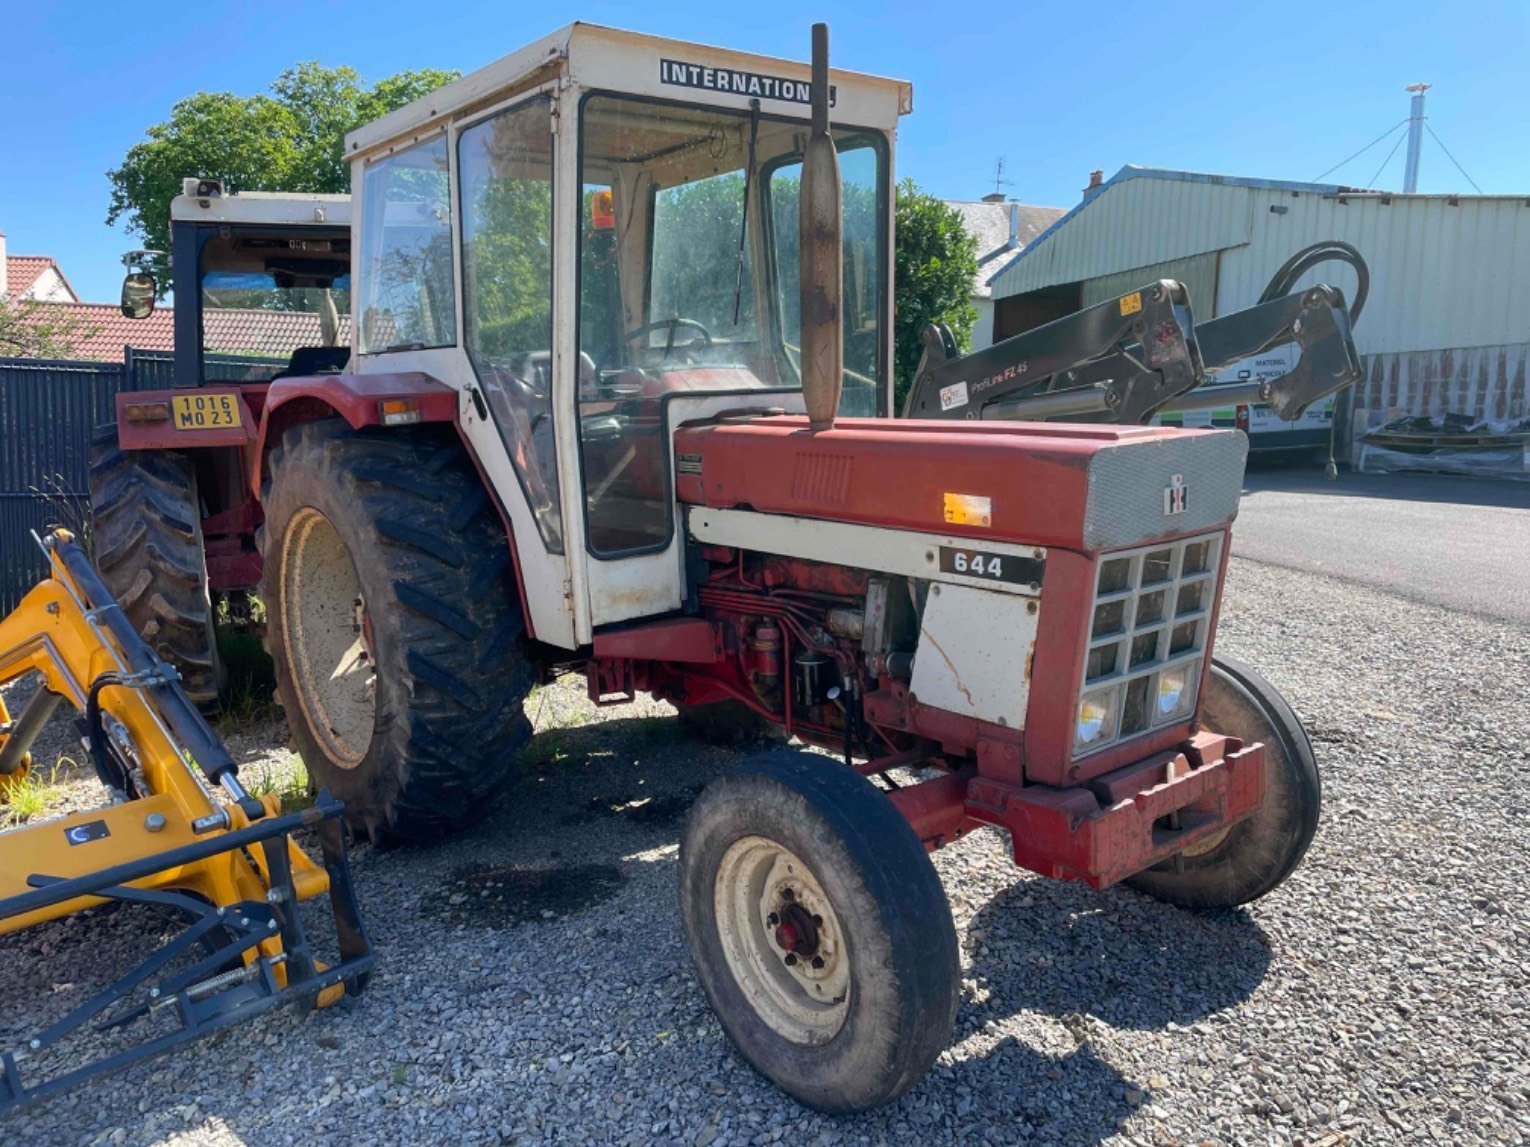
{"x": 820, "y": 272}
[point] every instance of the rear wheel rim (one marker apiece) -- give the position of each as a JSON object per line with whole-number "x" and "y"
{"x": 782, "y": 940}
{"x": 328, "y": 638}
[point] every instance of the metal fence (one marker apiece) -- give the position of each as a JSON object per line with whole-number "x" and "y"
{"x": 48, "y": 409}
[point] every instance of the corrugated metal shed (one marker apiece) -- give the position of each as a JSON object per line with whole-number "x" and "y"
{"x": 1442, "y": 267}
{"x": 1197, "y": 272}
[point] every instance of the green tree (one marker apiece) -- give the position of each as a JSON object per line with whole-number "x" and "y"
{"x": 30, "y": 329}
{"x": 936, "y": 261}
{"x": 291, "y": 139}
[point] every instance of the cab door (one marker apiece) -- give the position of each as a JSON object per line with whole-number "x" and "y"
{"x": 495, "y": 273}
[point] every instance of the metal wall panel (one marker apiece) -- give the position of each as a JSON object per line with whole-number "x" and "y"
{"x": 1445, "y": 271}
{"x": 1442, "y": 275}
{"x": 1133, "y": 222}
{"x": 47, "y": 412}
{"x": 1198, "y": 273}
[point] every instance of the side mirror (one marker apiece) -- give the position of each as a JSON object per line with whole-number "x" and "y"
{"x": 138, "y": 292}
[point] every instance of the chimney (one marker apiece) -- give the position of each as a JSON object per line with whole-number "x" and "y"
{"x": 994, "y": 197}
{"x": 1014, "y": 224}
{"x": 1096, "y": 181}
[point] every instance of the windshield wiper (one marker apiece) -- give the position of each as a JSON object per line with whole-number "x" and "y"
{"x": 743, "y": 226}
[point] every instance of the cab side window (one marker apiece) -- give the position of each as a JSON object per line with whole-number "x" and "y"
{"x": 505, "y": 166}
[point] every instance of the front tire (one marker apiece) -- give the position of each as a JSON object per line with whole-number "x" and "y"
{"x": 819, "y": 930}
{"x": 394, "y": 626}
{"x": 1255, "y": 855}
{"x": 146, "y": 532}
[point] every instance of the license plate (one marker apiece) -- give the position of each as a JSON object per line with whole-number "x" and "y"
{"x": 205, "y": 411}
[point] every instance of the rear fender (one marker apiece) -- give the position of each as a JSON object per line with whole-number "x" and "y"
{"x": 357, "y": 398}
{"x": 145, "y": 421}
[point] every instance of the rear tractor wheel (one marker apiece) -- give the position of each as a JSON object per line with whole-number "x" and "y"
{"x": 819, "y": 930}
{"x": 1252, "y": 857}
{"x": 146, "y": 530}
{"x": 394, "y": 625}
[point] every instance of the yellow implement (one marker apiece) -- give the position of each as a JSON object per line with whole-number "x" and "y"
{"x": 181, "y": 833}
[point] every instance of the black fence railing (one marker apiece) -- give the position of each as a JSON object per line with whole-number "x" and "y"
{"x": 48, "y": 409}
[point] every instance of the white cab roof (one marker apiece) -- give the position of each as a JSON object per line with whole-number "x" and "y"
{"x": 273, "y": 207}
{"x": 597, "y": 58}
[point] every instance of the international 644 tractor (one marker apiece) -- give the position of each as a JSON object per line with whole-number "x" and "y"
{"x": 620, "y": 404}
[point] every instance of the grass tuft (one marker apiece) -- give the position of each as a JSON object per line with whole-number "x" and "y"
{"x": 30, "y": 796}
{"x": 288, "y": 779}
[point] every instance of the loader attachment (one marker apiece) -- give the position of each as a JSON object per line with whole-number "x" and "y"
{"x": 1082, "y": 366}
{"x": 1130, "y": 356}
{"x": 180, "y": 834}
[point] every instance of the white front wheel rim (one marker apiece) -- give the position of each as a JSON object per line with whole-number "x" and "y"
{"x": 328, "y": 640}
{"x": 782, "y": 940}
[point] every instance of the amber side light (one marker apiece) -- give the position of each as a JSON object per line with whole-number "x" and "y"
{"x": 146, "y": 411}
{"x": 398, "y": 411}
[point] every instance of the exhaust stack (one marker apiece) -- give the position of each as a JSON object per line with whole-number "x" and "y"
{"x": 820, "y": 265}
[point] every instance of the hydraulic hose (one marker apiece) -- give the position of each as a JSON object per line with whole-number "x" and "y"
{"x": 110, "y": 771}
{"x": 1297, "y": 266}
{"x": 1307, "y": 258}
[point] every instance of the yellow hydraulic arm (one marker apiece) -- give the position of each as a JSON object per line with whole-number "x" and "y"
{"x": 180, "y": 832}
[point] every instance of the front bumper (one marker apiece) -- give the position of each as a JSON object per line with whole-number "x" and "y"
{"x": 1130, "y": 819}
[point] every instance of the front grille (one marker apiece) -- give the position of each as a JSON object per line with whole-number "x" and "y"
{"x": 1147, "y": 634}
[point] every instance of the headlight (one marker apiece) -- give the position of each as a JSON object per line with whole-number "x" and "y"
{"x": 1176, "y": 687}
{"x": 1097, "y": 715}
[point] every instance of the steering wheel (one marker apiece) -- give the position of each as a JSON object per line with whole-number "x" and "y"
{"x": 671, "y": 325}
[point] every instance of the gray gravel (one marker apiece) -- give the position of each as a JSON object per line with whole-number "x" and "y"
{"x": 534, "y": 983}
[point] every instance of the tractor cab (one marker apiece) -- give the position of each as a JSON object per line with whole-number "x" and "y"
{"x": 263, "y": 284}
{"x": 594, "y": 240}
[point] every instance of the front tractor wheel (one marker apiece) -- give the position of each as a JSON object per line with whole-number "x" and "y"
{"x": 819, "y": 930}
{"x": 393, "y": 622}
{"x": 1255, "y": 855}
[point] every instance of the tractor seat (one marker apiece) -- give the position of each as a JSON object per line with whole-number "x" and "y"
{"x": 307, "y": 360}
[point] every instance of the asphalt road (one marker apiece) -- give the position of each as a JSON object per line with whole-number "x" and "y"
{"x": 1459, "y": 543}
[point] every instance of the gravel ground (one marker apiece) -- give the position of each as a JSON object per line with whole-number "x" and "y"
{"x": 533, "y": 980}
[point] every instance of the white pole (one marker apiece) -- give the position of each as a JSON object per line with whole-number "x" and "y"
{"x": 1415, "y": 136}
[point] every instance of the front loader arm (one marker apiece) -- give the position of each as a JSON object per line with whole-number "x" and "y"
{"x": 1130, "y": 356}
{"x": 228, "y": 865}
{"x": 1316, "y": 320}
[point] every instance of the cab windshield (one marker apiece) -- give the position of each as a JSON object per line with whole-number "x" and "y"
{"x": 275, "y": 302}
{"x": 688, "y": 282}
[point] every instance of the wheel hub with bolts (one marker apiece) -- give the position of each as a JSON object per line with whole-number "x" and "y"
{"x": 782, "y": 940}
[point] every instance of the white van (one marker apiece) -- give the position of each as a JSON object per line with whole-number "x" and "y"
{"x": 1265, "y": 430}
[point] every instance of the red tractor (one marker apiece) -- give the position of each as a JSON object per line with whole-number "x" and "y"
{"x": 619, "y": 403}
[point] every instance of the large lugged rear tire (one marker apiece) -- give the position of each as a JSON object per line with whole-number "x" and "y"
{"x": 146, "y": 526}
{"x": 394, "y": 625}
{"x": 819, "y": 930}
{"x": 1257, "y": 854}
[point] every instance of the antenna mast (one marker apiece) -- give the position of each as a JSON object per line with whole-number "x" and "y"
{"x": 1415, "y": 136}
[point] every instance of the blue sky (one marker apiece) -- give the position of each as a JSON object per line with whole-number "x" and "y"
{"x": 1057, "y": 89}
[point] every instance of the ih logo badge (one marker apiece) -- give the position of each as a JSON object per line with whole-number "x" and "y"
{"x": 1174, "y": 495}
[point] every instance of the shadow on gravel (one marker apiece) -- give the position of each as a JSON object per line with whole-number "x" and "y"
{"x": 502, "y": 896}
{"x": 1132, "y": 962}
{"x": 649, "y": 811}
{"x": 1073, "y": 1098}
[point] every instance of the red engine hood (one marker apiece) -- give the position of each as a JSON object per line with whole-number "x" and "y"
{"x": 1052, "y": 484}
